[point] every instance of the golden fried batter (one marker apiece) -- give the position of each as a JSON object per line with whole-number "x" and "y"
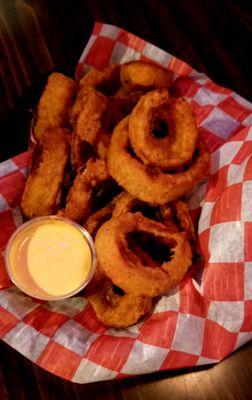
{"x": 80, "y": 194}
{"x": 54, "y": 103}
{"x": 42, "y": 194}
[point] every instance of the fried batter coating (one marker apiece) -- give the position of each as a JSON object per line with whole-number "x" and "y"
{"x": 137, "y": 75}
{"x": 118, "y": 310}
{"x": 124, "y": 265}
{"x": 106, "y": 81}
{"x": 163, "y": 131}
{"x": 42, "y": 194}
{"x": 80, "y": 195}
{"x": 147, "y": 183}
{"x": 53, "y": 104}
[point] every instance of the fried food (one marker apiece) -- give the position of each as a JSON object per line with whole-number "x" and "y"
{"x": 80, "y": 196}
{"x": 53, "y": 104}
{"x": 139, "y": 75}
{"x": 125, "y": 267}
{"x": 106, "y": 81}
{"x": 42, "y": 194}
{"x": 88, "y": 123}
{"x": 95, "y": 221}
{"x": 184, "y": 219}
{"x": 163, "y": 131}
{"x": 148, "y": 183}
{"x": 117, "y": 309}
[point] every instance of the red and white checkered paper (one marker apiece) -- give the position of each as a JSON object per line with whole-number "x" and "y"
{"x": 204, "y": 319}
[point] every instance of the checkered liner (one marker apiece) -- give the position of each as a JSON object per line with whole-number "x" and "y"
{"x": 210, "y": 314}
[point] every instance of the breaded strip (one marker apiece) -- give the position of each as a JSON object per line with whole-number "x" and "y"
{"x": 42, "y": 194}
{"x": 53, "y": 104}
{"x": 80, "y": 195}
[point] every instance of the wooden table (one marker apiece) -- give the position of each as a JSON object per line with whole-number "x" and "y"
{"x": 37, "y": 36}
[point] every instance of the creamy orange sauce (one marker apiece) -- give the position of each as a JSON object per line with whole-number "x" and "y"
{"x": 50, "y": 258}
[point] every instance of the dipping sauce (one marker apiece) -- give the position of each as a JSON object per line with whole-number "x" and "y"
{"x": 50, "y": 258}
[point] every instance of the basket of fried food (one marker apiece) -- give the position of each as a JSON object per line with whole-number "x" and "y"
{"x": 117, "y": 154}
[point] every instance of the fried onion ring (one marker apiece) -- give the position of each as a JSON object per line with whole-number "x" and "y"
{"x": 80, "y": 195}
{"x": 147, "y": 183}
{"x": 117, "y": 309}
{"x": 163, "y": 131}
{"x": 138, "y": 75}
{"x": 124, "y": 266}
{"x": 106, "y": 81}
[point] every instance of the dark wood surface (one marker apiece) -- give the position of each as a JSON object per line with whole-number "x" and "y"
{"x": 38, "y": 36}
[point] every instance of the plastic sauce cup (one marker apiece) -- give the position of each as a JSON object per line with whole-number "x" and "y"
{"x": 50, "y": 258}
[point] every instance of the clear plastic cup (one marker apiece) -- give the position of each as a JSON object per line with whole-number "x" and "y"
{"x": 18, "y": 237}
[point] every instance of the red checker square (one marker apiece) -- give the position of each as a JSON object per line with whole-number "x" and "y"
{"x": 110, "y": 351}
{"x": 235, "y": 109}
{"x": 5, "y": 281}
{"x": 203, "y": 241}
{"x": 96, "y": 56}
{"x": 12, "y": 187}
{"x": 45, "y": 321}
{"x": 216, "y": 88}
{"x": 184, "y": 86}
{"x": 247, "y": 323}
{"x": 132, "y": 41}
{"x": 224, "y": 281}
{"x": 121, "y": 375}
{"x": 22, "y": 160}
{"x": 201, "y": 112}
{"x": 244, "y": 152}
{"x": 228, "y": 206}
{"x": 248, "y": 171}
{"x": 179, "y": 359}
{"x": 217, "y": 184}
{"x": 248, "y": 241}
{"x": 59, "y": 360}
{"x": 88, "y": 320}
{"x": 218, "y": 342}
{"x": 8, "y": 226}
{"x": 213, "y": 141}
{"x": 159, "y": 329}
{"x": 241, "y": 135}
{"x": 180, "y": 67}
{"x": 7, "y": 321}
{"x": 191, "y": 301}
{"x": 97, "y": 28}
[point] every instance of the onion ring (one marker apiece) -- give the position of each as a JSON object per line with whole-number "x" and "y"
{"x": 118, "y": 310}
{"x": 106, "y": 81}
{"x": 149, "y": 183}
{"x": 155, "y": 113}
{"x": 137, "y": 75}
{"x": 127, "y": 270}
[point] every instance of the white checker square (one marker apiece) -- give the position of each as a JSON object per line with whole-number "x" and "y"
{"x": 189, "y": 334}
{"x": 195, "y": 197}
{"x": 246, "y": 204}
{"x": 70, "y": 307}
{"x": 242, "y": 101}
{"x": 220, "y": 123}
{"x": 89, "y": 371}
{"x": 224, "y": 155}
{"x": 156, "y": 54}
{"x": 242, "y": 338}
{"x": 226, "y": 242}
{"x": 144, "y": 358}
{"x": 248, "y": 281}
{"x": 199, "y": 77}
{"x": 3, "y": 204}
{"x": 74, "y": 337}
{"x": 169, "y": 302}
{"x": 206, "y": 361}
{"x": 109, "y": 31}
{"x": 236, "y": 173}
{"x": 7, "y": 167}
{"x": 16, "y": 302}
{"x": 25, "y": 171}
{"x": 206, "y": 96}
{"x": 247, "y": 122}
{"x": 17, "y": 216}
{"x": 205, "y": 216}
{"x": 229, "y": 314}
{"x": 26, "y": 340}
{"x": 122, "y": 53}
